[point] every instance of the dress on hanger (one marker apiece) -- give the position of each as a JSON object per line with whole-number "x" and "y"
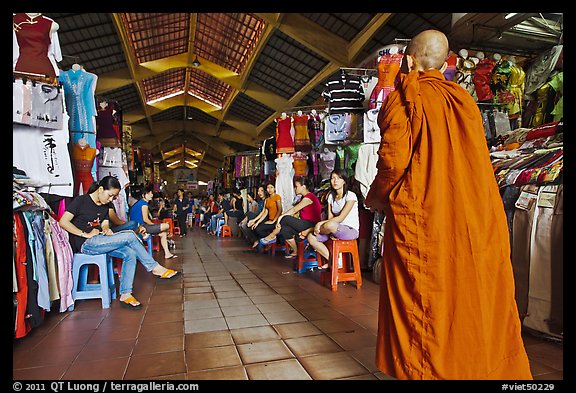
{"x": 79, "y": 87}
{"x": 482, "y": 78}
{"x": 371, "y": 128}
{"x": 284, "y": 182}
{"x": 36, "y": 48}
{"x": 82, "y": 162}
{"x": 388, "y": 71}
{"x": 284, "y": 141}
{"x": 105, "y": 124}
{"x": 301, "y": 137}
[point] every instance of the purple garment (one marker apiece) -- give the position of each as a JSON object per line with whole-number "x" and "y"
{"x": 238, "y": 166}
{"x": 344, "y": 232}
{"x": 64, "y": 256}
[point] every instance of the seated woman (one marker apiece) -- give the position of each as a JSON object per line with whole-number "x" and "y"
{"x": 343, "y": 222}
{"x": 140, "y": 213}
{"x": 237, "y": 210}
{"x": 272, "y": 210}
{"x": 86, "y": 220}
{"x": 310, "y": 211}
{"x": 251, "y": 214}
{"x": 163, "y": 212}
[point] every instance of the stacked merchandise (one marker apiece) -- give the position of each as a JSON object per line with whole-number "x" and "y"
{"x": 528, "y": 165}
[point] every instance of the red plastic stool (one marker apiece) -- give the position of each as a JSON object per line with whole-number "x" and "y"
{"x": 349, "y": 251}
{"x": 156, "y": 243}
{"x": 225, "y": 231}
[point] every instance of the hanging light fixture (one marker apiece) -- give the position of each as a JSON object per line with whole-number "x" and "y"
{"x": 196, "y": 62}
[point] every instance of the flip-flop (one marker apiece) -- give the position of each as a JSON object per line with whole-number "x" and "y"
{"x": 290, "y": 256}
{"x": 127, "y": 303}
{"x": 172, "y": 256}
{"x": 167, "y": 275}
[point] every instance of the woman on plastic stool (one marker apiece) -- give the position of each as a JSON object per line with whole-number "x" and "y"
{"x": 343, "y": 222}
{"x": 86, "y": 220}
{"x": 140, "y": 213}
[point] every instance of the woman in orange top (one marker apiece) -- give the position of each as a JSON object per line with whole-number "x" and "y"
{"x": 447, "y": 308}
{"x": 272, "y": 210}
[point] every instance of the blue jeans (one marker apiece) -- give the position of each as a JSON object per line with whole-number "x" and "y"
{"x": 125, "y": 245}
{"x": 214, "y": 221}
{"x": 129, "y": 225}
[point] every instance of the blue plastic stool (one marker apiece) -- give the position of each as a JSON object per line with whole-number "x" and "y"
{"x": 219, "y": 224}
{"x": 303, "y": 261}
{"x": 105, "y": 290}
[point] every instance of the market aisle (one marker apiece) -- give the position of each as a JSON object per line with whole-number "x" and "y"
{"x": 232, "y": 315}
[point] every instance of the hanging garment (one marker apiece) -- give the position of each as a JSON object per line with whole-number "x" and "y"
{"x": 388, "y": 71}
{"x": 365, "y": 170}
{"x": 369, "y": 83}
{"x": 300, "y": 164}
{"x": 301, "y": 137}
{"x": 371, "y": 128}
{"x": 465, "y": 70}
{"x": 106, "y": 119}
{"x": 541, "y": 68}
{"x": 482, "y": 78}
{"x": 284, "y": 181}
{"x": 111, "y": 157}
{"x": 284, "y": 140}
{"x": 327, "y": 163}
{"x": 557, "y": 83}
{"x": 337, "y": 127}
{"x": 344, "y": 93}
{"x": 471, "y": 252}
{"x": 43, "y": 298}
{"x": 82, "y": 161}
{"x": 452, "y": 61}
{"x": 22, "y": 327}
{"x": 47, "y": 107}
{"x": 79, "y": 87}
{"x": 36, "y": 47}
{"x": 43, "y": 154}
{"x": 64, "y": 257}
{"x": 51, "y": 264}
{"x": 33, "y": 311}
{"x": 316, "y": 130}
{"x": 516, "y": 88}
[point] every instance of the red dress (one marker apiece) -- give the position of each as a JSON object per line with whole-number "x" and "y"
{"x": 33, "y": 36}
{"x": 284, "y": 141}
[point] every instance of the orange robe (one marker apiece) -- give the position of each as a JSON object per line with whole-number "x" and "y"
{"x": 447, "y": 308}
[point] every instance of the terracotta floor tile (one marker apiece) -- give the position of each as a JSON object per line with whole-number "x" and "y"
{"x": 158, "y": 344}
{"x": 276, "y": 318}
{"x": 209, "y": 358}
{"x": 233, "y": 311}
{"x": 366, "y": 357}
{"x": 162, "y": 317}
{"x": 289, "y": 369}
{"x": 332, "y": 366}
{"x": 264, "y": 351}
{"x": 193, "y": 290}
{"x": 275, "y": 307}
{"x": 46, "y": 356}
{"x": 254, "y": 334}
{"x": 208, "y": 339}
{"x": 235, "y": 301}
{"x": 229, "y": 294}
{"x": 162, "y": 329}
{"x": 164, "y": 299}
{"x": 554, "y": 376}
{"x": 243, "y": 321}
{"x": 200, "y": 303}
{"x": 351, "y": 340}
{"x": 366, "y": 377}
{"x": 156, "y": 364}
{"x": 62, "y": 338}
{"x": 537, "y": 368}
{"x": 204, "y": 325}
{"x": 50, "y": 373}
{"x": 312, "y": 345}
{"x": 297, "y": 329}
{"x": 202, "y": 313}
{"x": 106, "y": 350}
{"x": 336, "y": 325}
{"x": 199, "y": 296}
{"x": 550, "y": 354}
{"x": 226, "y": 373}
{"x": 262, "y": 299}
{"x": 171, "y": 377}
{"x": 165, "y": 307}
{"x": 116, "y": 334}
{"x": 107, "y": 369}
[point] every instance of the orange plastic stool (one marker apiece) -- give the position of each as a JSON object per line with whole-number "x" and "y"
{"x": 155, "y": 243}
{"x": 225, "y": 231}
{"x": 175, "y": 228}
{"x": 170, "y": 222}
{"x": 349, "y": 251}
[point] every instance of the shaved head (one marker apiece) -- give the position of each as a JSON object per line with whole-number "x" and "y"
{"x": 429, "y": 49}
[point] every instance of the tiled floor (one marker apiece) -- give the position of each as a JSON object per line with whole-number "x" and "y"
{"x": 232, "y": 315}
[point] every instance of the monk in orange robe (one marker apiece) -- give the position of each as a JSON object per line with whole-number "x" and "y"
{"x": 447, "y": 308}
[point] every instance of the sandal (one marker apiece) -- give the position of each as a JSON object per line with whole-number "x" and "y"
{"x": 171, "y": 256}
{"x": 169, "y": 274}
{"x": 128, "y": 303}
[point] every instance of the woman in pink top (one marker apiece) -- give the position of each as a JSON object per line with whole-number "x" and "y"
{"x": 289, "y": 226}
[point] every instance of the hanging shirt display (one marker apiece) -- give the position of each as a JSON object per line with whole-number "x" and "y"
{"x": 337, "y": 127}
{"x": 82, "y": 156}
{"x": 516, "y": 88}
{"x": 35, "y": 47}
{"x": 541, "y": 68}
{"x": 43, "y": 154}
{"x": 451, "y": 61}
{"x": 47, "y": 106}
{"x": 371, "y": 128}
{"x": 300, "y": 164}
{"x": 388, "y": 70}
{"x": 344, "y": 93}
{"x": 465, "y": 69}
{"x": 327, "y": 163}
{"x": 284, "y": 181}
{"x": 482, "y": 78}
{"x": 108, "y": 124}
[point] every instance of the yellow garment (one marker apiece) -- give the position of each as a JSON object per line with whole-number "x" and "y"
{"x": 271, "y": 205}
{"x": 516, "y": 87}
{"x": 447, "y": 307}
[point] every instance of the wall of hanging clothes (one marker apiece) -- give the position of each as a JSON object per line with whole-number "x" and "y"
{"x": 42, "y": 260}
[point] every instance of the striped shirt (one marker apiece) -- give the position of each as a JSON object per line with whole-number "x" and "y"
{"x": 344, "y": 93}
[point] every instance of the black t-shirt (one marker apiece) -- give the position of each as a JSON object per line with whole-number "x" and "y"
{"x": 239, "y": 204}
{"x": 180, "y": 205}
{"x": 225, "y": 205}
{"x": 87, "y": 216}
